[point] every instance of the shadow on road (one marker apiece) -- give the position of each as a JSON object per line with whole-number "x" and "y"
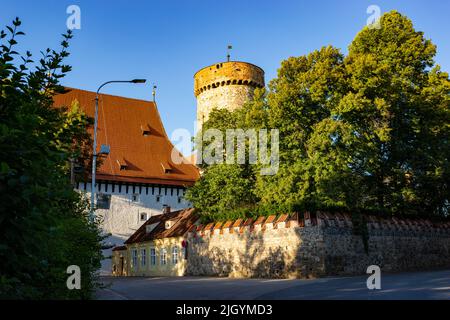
{"x": 419, "y": 285}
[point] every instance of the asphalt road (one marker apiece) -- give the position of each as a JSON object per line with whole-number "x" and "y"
{"x": 418, "y": 285}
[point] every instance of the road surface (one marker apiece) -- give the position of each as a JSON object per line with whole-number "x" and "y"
{"x": 417, "y": 285}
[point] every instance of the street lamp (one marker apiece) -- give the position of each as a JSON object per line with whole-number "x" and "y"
{"x": 104, "y": 149}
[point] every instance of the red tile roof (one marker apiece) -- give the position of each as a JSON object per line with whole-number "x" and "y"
{"x": 183, "y": 222}
{"x": 121, "y": 122}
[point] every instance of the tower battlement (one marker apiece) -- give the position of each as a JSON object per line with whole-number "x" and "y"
{"x": 225, "y": 85}
{"x": 228, "y": 73}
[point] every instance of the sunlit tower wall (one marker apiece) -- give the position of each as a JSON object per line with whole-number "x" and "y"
{"x": 225, "y": 85}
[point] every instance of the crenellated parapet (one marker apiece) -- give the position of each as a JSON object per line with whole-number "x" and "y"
{"x": 226, "y": 74}
{"x": 320, "y": 219}
{"x": 225, "y": 85}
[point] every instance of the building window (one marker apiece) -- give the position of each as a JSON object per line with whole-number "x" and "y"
{"x": 180, "y": 199}
{"x": 143, "y": 257}
{"x": 134, "y": 257}
{"x": 175, "y": 255}
{"x": 143, "y": 216}
{"x": 135, "y": 197}
{"x": 158, "y": 198}
{"x": 163, "y": 256}
{"x": 152, "y": 256}
{"x": 103, "y": 201}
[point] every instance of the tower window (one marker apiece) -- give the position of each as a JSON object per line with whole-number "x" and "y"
{"x": 143, "y": 216}
{"x": 103, "y": 201}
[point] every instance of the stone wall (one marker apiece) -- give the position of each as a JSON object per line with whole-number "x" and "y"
{"x": 393, "y": 244}
{"x": 225, "y": 85}
{"x": 228, "y": 97}
{"x": 312, "y": 246}
{"x": 228, "y": 73}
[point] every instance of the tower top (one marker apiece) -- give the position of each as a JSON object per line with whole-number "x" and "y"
{"x": 228, "y": 73}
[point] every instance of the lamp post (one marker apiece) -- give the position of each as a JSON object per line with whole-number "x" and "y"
{"x": 94, "y": 158}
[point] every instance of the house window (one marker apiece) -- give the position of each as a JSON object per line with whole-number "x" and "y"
{"x": 175, "y": 255}
{"x": 163, "y": 256}
{"x": 103, "y": 201}
{"x": 152, "y": 256}
{"x": 134, "y": 258}
{"x": 135, "y": 197}
{"x": 143, "y": 257}
{"x": 143, "y": 216}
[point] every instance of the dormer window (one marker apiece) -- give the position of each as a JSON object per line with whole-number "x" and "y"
{"x": 143, "y": 216}
{"x": 122, "y": 164}
{"x": 169, "y": 224}
{"x": 149, "y": 228}
{"x": 145, "y": 130}
{"x": 167, "y": 168}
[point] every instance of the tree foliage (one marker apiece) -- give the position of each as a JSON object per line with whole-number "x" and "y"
{"x": 44, "y": 226}
{"x": 364, "y": 131}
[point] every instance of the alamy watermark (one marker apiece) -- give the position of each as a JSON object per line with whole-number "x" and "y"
{"x": 74, "y": 280}
{"x": 234, "y": 146}
{"x": 373, "y": 21}
{"x": 374, "y": 281}
{"x": 74, "y": 19}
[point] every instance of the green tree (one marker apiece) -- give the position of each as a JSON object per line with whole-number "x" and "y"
{"x": 368, "y": 131}
{"x": 44, "y": 225}
{"x": 397, "y": 110}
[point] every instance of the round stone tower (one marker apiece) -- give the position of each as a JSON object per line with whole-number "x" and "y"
{"x": 225, "y": 85}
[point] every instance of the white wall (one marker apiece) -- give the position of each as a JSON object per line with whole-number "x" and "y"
{"x": 123, "y": 217}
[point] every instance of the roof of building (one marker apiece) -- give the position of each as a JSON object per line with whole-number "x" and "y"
{"x": 140, "y": 150}
{"x": 182, "y": 220}
{"x": 119, "y": 248}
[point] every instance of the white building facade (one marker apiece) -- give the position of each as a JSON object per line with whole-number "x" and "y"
{"x": 138, "y": 178}
{"x": 123, "y": 208}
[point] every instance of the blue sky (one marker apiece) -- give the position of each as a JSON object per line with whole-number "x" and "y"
{"x": 168, "y": 41}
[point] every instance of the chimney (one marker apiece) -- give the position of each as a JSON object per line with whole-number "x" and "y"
{"x": 166, "y": 209}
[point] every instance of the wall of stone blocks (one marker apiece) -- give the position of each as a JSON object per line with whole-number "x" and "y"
{"x": 394, "y": 245}
{"x": 230, "y": 97}
{"x": 314, "y": 246}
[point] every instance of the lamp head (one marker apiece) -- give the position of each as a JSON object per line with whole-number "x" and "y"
{"x": 138, "y": 80}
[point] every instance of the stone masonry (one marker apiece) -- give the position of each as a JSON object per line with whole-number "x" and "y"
{"x": 225, "y": 85}
{"x": 307, "y": 245}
